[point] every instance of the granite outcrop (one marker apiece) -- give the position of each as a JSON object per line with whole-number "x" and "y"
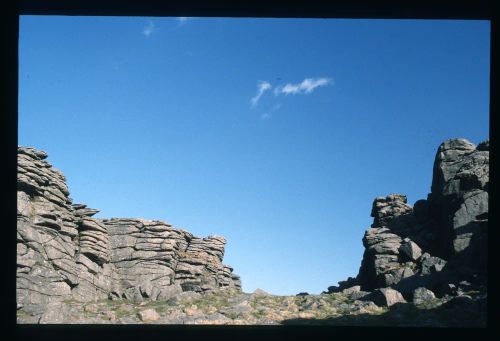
{"x": 438, "y": 246}
{"x": 429, "y": 259}
{"x": 64, "y": 253}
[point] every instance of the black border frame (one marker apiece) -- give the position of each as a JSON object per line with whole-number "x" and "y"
{"x": 355, "y": 9}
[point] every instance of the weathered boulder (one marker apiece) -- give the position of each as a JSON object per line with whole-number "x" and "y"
{"x": 387, "y": 210}
{"x": 170, "y": 291}
{"x": 385, "y": 297}
{"x": 148, "y": 315}
{"x": 410, "y": 249}
{"x": 459, "y": 192}
{"x": 352, "y": 290}
{"x": 421, "y": 295}
{"x": 381, "y": 265}
{"x": 260, "y": 292}
{"x": 200, "y": 269}
{"x": 187, "y": 296}
{"x": 475, "y": 204}
{"x": 54, "y": 313}
{"x": 451, "y": 156}
{"x": 430, "y": 264}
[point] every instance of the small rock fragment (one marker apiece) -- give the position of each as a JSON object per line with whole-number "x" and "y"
{"x": 148, "y": 315}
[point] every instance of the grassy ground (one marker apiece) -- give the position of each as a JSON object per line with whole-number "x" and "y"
{"x": 239, "y": 308}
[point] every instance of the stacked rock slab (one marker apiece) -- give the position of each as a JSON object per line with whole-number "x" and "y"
{"x": 391, "y": 251}
{"x": 150, "y": 256}
{"x": 200, "y": 269}
{"x": 440, "y": 241}
{"x": 386, "y": 260}
{"x": 65, "y": 253}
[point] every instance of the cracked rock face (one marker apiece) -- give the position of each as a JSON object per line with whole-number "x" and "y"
{"x": 460, "y": 191}
{"x": 64, "y": 253}
{"x": 438, "y": 240}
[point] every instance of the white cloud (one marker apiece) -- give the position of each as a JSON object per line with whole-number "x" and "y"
{"x": 305, "y": 87}
{"x": 262, "y": 87}
{"x": 148, "y": 29}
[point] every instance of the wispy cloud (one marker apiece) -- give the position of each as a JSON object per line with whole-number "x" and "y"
{"x": 148, "y": 29}
{"x": 267, "y": 115}
{"x": 305, "y": 87}
{"x": 262, "y": 87}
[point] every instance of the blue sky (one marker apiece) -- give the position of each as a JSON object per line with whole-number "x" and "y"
{"x": 276, "y": 133}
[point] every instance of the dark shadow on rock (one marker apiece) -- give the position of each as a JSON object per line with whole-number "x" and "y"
{"x": 407, "y": 285}
{"x": 472, "y": 260}
{"x": 455, "y": 313}
{"x": 424, "y": 234}
{"x": 472, "y": 227}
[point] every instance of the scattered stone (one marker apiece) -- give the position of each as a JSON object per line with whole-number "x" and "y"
{"x": 464, "y": 286}
{"x": 422, "y": 294}
{"x": 148, "y": 315}
{"x": 385, "y": 297}
{"x": 192, "y": 310}
{"x": 358, "y": 295}
{"x": 431, "y": 264}
{"x": 352, "y": 290}
{"x": 260, "y": 292}
{"x": 109, "y": 315}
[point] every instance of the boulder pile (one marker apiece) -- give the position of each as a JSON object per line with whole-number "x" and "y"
{"x": 438, "y": 246}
